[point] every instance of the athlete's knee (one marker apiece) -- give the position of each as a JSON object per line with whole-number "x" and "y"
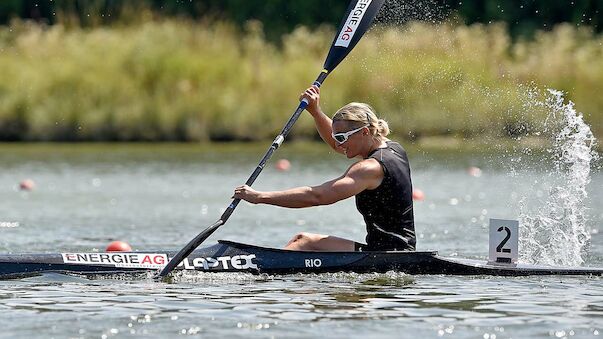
{"x": 303, "y": 240}
{"x": 301, "y": 237}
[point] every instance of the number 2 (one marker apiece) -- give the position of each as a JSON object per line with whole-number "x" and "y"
{"x": 500, "y": 248}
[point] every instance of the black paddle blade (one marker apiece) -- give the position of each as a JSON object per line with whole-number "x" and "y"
{"x": 359, "y": 17}
{"x": 188, "y": 249}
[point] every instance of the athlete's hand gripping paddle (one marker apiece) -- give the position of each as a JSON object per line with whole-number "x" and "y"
{"x": 359, "y": 16}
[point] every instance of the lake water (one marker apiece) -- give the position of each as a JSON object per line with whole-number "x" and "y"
{"x": 160, "y": 196}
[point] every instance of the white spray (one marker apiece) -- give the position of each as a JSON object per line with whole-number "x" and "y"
{"x": 557, "y": 233}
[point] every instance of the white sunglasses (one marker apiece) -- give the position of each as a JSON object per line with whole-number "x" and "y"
{"x": 344, "y": 136}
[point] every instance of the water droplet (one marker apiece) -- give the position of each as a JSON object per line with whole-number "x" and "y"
{"x": 96, "y": 182}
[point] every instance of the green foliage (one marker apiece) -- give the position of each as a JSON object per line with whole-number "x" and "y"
{"x": 179, "y": 80}
{"x": 524, "y": 17}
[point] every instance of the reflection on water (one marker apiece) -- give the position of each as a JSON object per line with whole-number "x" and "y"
{"x": 301, "y": 305}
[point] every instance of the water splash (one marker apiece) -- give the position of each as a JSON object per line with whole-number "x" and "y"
{"x": 399, "y": 12}
{"x": 557, "y": 233}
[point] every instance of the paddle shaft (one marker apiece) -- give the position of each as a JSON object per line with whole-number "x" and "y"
{"x": 186, "y": 250}
{"x": 359, "y": 16}
{"x": 275, "y": 145}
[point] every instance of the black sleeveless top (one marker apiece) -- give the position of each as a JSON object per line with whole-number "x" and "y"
{"x": 387, "y": 210}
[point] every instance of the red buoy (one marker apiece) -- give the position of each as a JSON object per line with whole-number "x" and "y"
{"x": 118, "y": 246}
{"x": 418, "y": 195}
{"x": 282, "y": 165}
{"x": 27, "y": 185}
{"x": 474, "y": 171}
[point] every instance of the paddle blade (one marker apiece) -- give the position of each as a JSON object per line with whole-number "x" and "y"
{"x": 188, "y": 249}
{"x": 359, "y": 17}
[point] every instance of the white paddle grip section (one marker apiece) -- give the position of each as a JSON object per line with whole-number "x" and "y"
{"x": 278, "y": 141}
{"x": 351, "y": 24}
{"x": 504, "y": 241}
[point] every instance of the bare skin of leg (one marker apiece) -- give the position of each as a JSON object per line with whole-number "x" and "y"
{"x": 319, "y": 242}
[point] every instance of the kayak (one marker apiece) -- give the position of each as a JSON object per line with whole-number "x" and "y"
{"x": 229, "y": 256}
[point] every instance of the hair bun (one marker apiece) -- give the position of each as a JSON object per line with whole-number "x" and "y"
{"x": 383, "y": 127}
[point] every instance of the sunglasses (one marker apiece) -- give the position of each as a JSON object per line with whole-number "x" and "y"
{"x": 344, "y": 136}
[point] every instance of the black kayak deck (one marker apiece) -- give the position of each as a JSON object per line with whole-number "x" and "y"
{"x": 229, "y": 256}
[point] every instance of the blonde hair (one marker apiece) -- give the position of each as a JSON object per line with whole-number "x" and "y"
{"x": 360, "y": 114}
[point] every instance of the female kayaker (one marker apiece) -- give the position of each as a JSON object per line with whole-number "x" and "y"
{"x": 380, "y": 181}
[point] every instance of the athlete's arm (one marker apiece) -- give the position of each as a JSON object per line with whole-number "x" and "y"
{"x": 323, "y": 123}
{"x": 365, "y": 174}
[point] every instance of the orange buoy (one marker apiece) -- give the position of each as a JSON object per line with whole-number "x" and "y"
{"x": 418, "y": 195}
{"x": 27, "y": 185}
{"x": 474, "y": 171}
{"x": 282, "y": 165}
{"x": 118, "y": 246}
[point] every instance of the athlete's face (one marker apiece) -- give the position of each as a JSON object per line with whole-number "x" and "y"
{"x": 352, "y": 145}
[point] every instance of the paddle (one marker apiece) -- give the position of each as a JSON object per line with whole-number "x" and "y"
{"x": 358, "y": 18}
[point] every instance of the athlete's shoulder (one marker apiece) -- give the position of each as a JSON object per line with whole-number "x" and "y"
{"x": 369, "y": 166}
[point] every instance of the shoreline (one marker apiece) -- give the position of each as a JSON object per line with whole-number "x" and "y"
{"x": 433, "y": 143}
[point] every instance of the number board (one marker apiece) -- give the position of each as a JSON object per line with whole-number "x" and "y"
{"x": 504, "y": 239}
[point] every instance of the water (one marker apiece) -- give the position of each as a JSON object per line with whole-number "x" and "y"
{"x": 399, "y": 12}
{"x": 557, "y": 233}
{"x": 299, "y": 306}
{"x": 159, "y": 196}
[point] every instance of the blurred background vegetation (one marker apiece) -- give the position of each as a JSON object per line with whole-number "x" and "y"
{"x": 149, "y": 70}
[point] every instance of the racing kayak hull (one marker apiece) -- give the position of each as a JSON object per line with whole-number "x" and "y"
{"x": 228, "y": 256}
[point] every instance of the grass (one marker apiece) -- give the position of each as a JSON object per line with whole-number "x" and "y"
{"x": 175, "y": 80}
